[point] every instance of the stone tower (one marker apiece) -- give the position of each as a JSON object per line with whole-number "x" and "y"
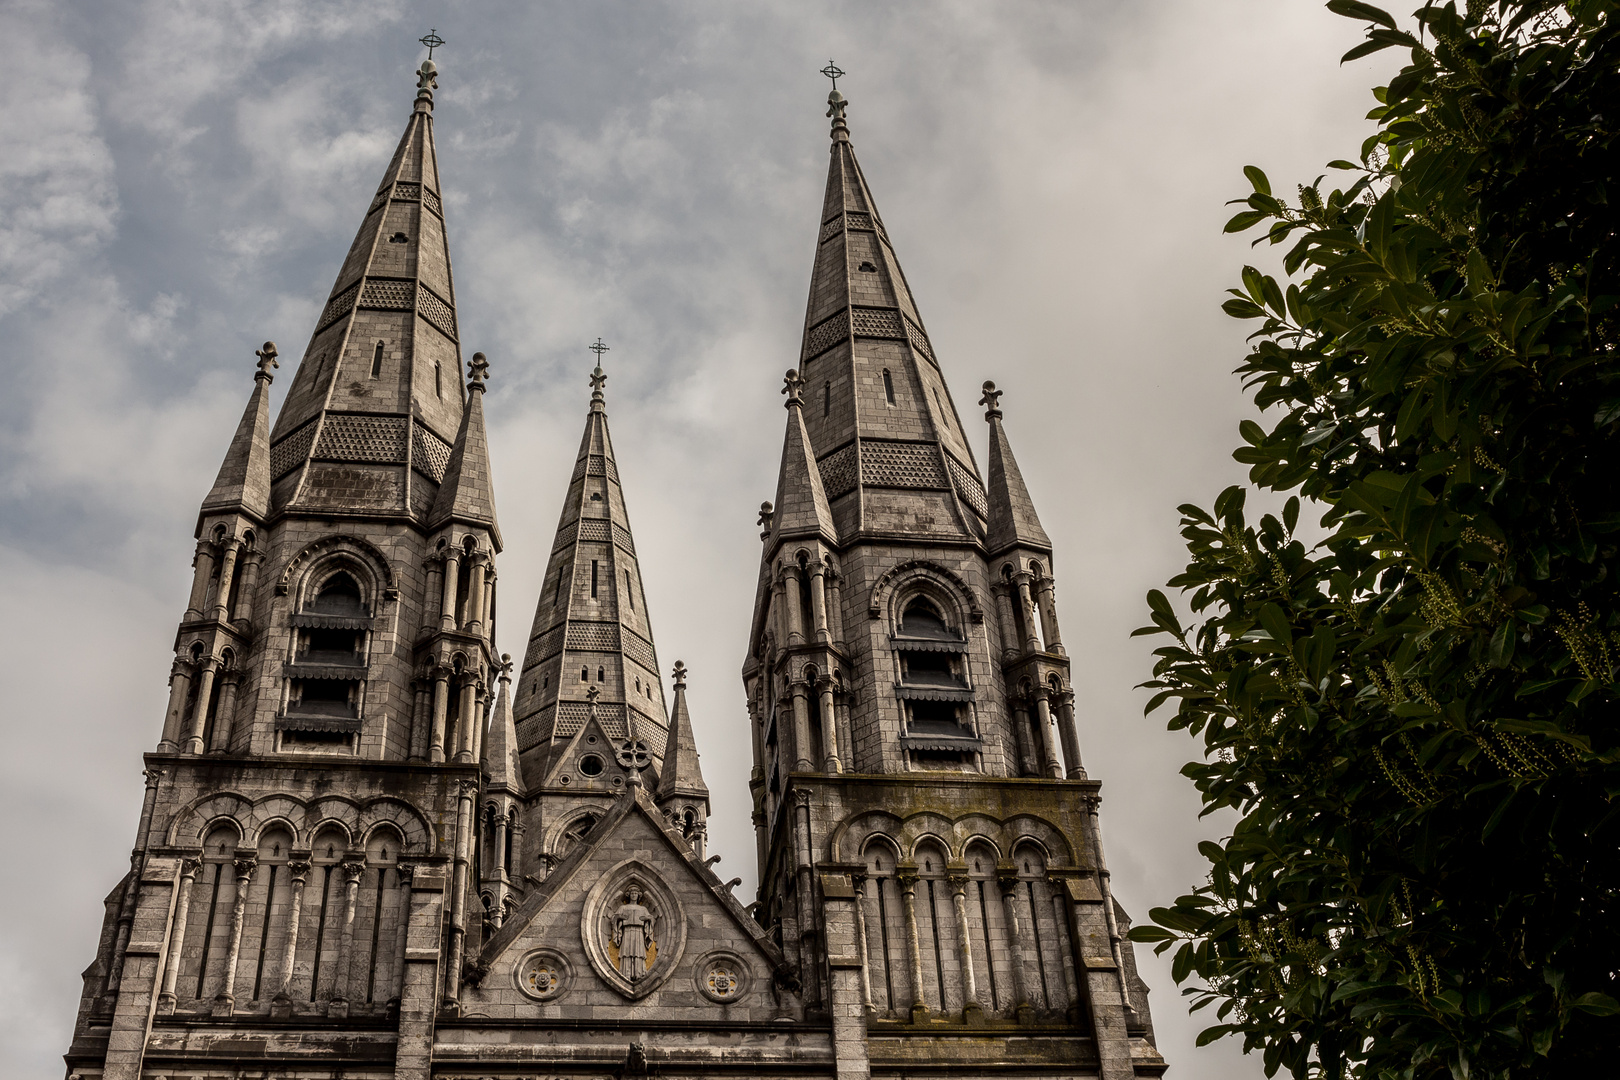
{"x": 363, "y": 854}
{"x": 929, "y": 852}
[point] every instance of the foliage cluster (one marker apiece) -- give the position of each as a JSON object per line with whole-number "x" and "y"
{"x": 1415, "y": 718}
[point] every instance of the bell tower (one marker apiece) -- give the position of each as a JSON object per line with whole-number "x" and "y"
{"x": 928, "y": 839}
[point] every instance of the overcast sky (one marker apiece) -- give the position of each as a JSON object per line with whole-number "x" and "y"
{"x": 181, "y": 180}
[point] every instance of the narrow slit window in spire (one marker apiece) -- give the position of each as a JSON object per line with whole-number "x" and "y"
{"x": 888, "y": 386}
{"x": 376, "y": 362}
{"x": 826, "y": 399}
{"x": 438, "y": 379}
{"x": 593, "y": 579}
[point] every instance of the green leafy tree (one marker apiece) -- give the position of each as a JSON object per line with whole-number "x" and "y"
{"x": 1414, "y": 717}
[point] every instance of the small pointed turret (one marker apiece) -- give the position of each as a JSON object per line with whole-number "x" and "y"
{"x": 243, "y": 484}
{"x": 591, "y": 629}
{"x": 468, "y": 492}
{"x": 801, "y": 508}
{"x": 500, "y": 757}
{"x": 682, "y": 777}
{"x": 1013, "y": 522}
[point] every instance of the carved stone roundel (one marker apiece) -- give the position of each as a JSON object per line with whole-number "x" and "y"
{"x": 543, "y": 975}
{"x": 721, "y": 977}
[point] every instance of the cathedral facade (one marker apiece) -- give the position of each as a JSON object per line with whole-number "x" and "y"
{"x": 363, "y": 852}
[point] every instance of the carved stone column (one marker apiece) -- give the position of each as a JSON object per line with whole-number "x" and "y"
{"x": 800, "y": 689}
{"x": 860, "y": 932}
{"x": 452, "y": 583}
{"x": 416, "y": 745}
{"x": 1043, "y": 724}
{"x": 835, "y": 604}
{"x": 1047, "y": 599}
{"x": 174, "y": 718}
{"x": 432, "y": 594}
{"x": 203, "y": 564}
{"x": 972, "y": 1011}
{"x": 475, "y": 594}
{"x": 1093, "y": 804}
{"x": 829, "y": 726}
{"x": 251, "y": 563}
{"x": 441, "y": 706}
{"x": 467, "y": 720}
{"x": 219, "y": 740}
{"x": 818, "y": 600}
{"x": 199, "y": 713}
{"x": 1008, "y": 883}
{"x": 1022, "y": 734}
{"x": 795, "y": 607}
{"x": 225, "y": 1003}
{"x": 177, "y": 934}
{"x": 406, "y": 873}
{"x": 339, "y": 1004}
{"x": 458, "y": 898}
{"x": 1026, "y": 608}
{"x": 1005, "y": 621}
{"x": 227, "y": 570}
{"x": 499, "y": 821}
{"x": 1064, "y": 701}
{"x": 908, "y": 907}
{"x": 1071, "y": 979}
{"x": 298, "y": 870}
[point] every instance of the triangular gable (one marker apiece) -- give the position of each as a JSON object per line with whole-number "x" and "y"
{"x": 660, "y": 851}
{"x": 566, "y": 760}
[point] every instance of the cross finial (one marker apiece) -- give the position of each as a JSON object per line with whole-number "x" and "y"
{"x": 267, "y": 360}
{"x": 833, "y": 72}
{"x": 477, "y": 371}
{"x": 793, "y": 387}
{"x": 598, "y": 379}
{"x": 432, "y": 41}
{"x": 680, "y": 675}
{"x": 991, "y": 401}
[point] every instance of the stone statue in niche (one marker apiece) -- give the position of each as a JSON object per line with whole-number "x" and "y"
{"x": 632, "y": 935}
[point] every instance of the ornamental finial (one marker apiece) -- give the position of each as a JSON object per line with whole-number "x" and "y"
{"x": 991, "y": 401}
{"x": 793, "y": 387}
{"x": 267, "y": 360}
{"x": 427, "y": 76}
{"x": 598, "y": 379}
{"x": 679, "y": 675}
{"x": 477, "y": 372}
{"x": 836, "y": 103}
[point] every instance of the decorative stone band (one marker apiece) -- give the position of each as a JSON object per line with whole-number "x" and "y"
{"x": 854, "y": 220}
{"x": 543, "y": 646}
{"x": 310, "y": 621}
{"x": 866, "y": 322}
{"x": 927, "y": 645}
{"x": 292, "y": 450}
{"x": 598, "y": 465}
{"x": 932, "y": 693}
{"x": 392, "y": 294}
{"x": 430, "y": 455}
{"x": 408, "y": 192}
{"x": 595, "y": 529}
{"x": 607, "y": 637}
{"x": 901, "y": 465}
{"x": 324, "y": 672}
{"x": 968, "y": 486}
{"x": 337, "y": 307}
{"x": 963, "y": 743}
{"x": 348, "y": 724}
{"x": 838, "y": 471}
{"x": 565, "y": 719}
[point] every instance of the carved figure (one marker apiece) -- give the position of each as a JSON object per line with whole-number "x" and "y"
{"x": 632, "y": 930}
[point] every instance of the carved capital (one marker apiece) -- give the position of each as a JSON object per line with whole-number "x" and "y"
{"x": 153, "y": 777}
{"x": 907, "y": 880}
{"x": 298, "y": 869}
{"x": 958, "y": 882}
{"x": 245, "y": 868}
{"x": 406, "y": 873}
{"x": 1007, "y": 882}
{"x": 189, "y": 867}
{"x": 352, "y": 872}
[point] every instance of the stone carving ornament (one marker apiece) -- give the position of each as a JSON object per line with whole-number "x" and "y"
{"x": 721, "y": 977}
{"x": 543, "y": 975}
{"x": 633, "y": 928}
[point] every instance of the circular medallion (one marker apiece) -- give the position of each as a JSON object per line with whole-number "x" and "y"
{"x": 543, "y": 975}
{"x": 721, "y": 977}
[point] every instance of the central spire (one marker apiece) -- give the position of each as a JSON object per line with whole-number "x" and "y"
{"x": 887, "y": 439}
{"x": 591, "y": 648}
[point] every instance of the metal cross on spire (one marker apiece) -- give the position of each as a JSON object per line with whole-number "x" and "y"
{"x": 432, "y": 41}
{"x": 598, "y": 380}
{"x": 833, "y": 72}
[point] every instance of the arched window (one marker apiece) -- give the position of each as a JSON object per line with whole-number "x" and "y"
{"x": 601, "y": 675}
{"x": 338, "y": 595}
{"x": 584, "y": 674}
{"x": 921, "y": 619}
{"x": 263, "y": 926}
{"x": 885, "y": 931}
{"x": 323, "y": 910}
{"x": 379, "y": 910}
{"x": 212, "y": 898}
{"x": 573, "y": 834}
{"x": 936, "y": 930}
{"x": 1042, "y": 928}
{"x": 987, "y": 929}
{"x": 888, "y": 386}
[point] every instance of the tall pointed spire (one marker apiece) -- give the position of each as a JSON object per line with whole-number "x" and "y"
{"x": 1013, "y": 521}
{"x": 681, "y": 777}
{"x": 878, "y": 411}
{"x": 468, "y": 492}
{"x": 500, "y": 755}
{"x": 801, "y": 502}
{"x": 243, "y": 483}
{"x": 591, "y": 628}
{"x": 376, "y": 401}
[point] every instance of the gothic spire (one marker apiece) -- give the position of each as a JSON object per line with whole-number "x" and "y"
{"x": 243, "y": 483}
{"x": 878, "y": 411}
{"x": 376, "y": 401}
{"x": 1013, "y": 522}
{"x": 681, "y": 775}
{"x": 591, "y": 629}
{"x": 468, "y": 492}
{"x": 500, "y": 755}
{"x": 801, "y": 501}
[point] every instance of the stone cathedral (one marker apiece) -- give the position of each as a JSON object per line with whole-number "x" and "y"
{"x": 371, "y": 846}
